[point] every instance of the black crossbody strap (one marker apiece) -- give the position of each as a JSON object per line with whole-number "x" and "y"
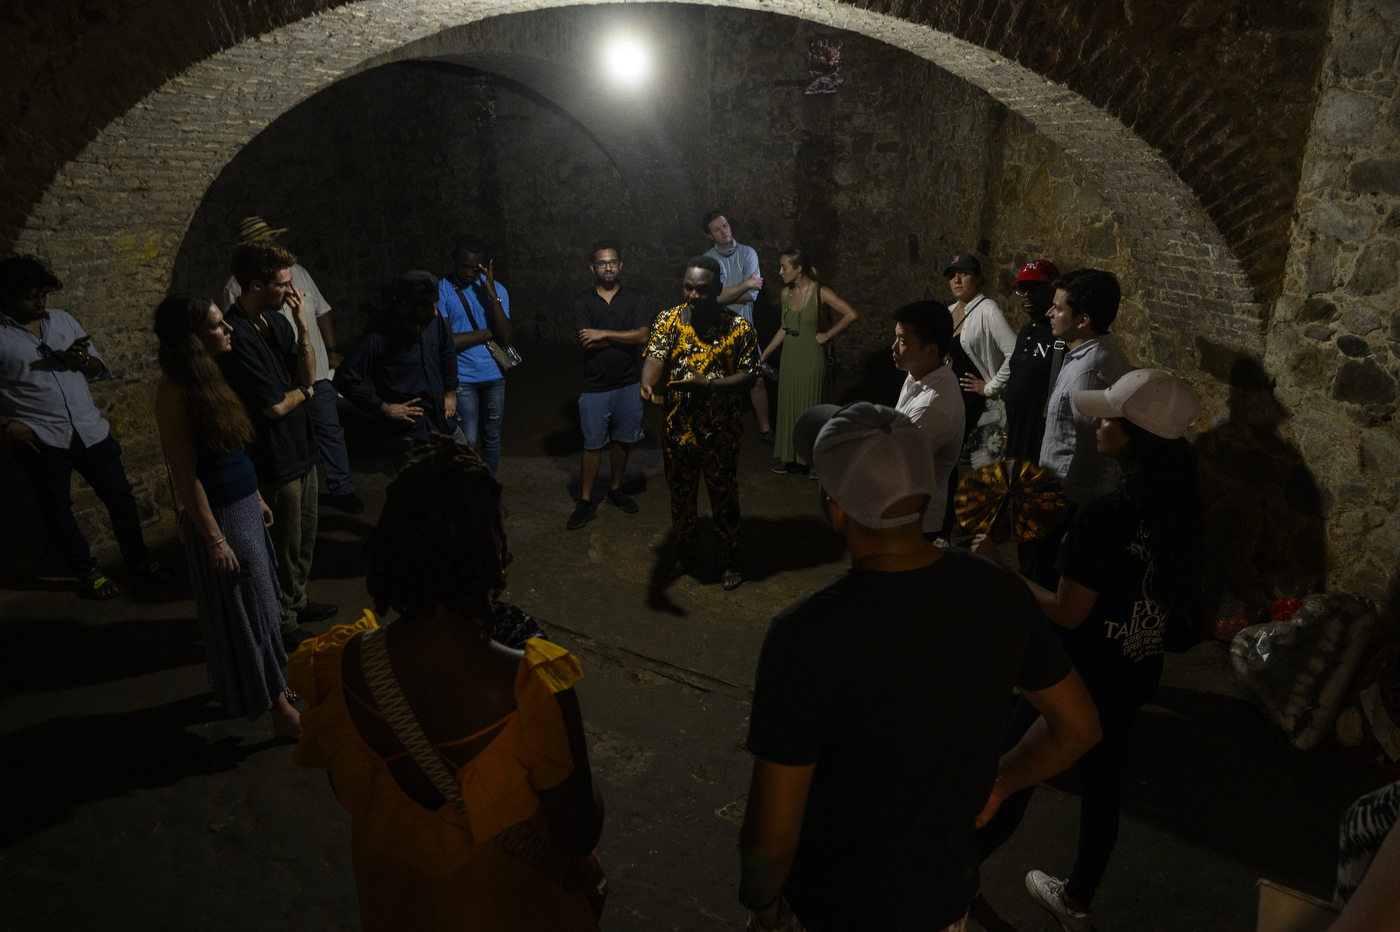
{"x": 1056, "y": 362}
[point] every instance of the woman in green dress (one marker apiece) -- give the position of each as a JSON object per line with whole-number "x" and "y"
{"x": 804, "y": 350}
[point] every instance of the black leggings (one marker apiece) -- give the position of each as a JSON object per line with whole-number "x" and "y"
{"x": 1100, "y": 773}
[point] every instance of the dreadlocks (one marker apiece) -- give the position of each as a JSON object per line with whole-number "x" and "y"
{"x": 439, "y": 540}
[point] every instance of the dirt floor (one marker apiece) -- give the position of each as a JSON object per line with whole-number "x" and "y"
{"x": 135, "y": 804}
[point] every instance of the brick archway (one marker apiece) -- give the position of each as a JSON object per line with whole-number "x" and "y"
{"x": 114, "y": 216}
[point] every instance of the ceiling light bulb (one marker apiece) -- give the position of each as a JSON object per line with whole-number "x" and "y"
{"x": 628, "y": 61}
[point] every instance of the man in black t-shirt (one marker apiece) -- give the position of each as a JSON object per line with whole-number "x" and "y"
{"x": 612, "y": 321}
{"x": 1028, "y": 385}
{"x": 272, "y": 368}
{"x": 876, "y": 760}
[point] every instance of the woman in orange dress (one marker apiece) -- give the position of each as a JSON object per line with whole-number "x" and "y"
{"x": 462, "y": 762}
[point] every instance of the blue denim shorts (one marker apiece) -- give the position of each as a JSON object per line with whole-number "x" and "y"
{"x": 609, "y": 416}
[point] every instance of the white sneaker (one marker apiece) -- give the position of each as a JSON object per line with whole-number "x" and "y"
{"x": 1050, "y": 893}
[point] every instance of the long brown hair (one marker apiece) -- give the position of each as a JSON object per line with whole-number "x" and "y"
{"x": 219, "y": 419}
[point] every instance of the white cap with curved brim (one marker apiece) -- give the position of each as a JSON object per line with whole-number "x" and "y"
{"x": 869, "y": 457}
{"x": 1153, "y": 399}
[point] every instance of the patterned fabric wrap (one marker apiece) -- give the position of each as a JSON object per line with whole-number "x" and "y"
{"x": 1010, "y": 500}
{"x": 240, "y": 615}
{"x": 1364, "y": 827}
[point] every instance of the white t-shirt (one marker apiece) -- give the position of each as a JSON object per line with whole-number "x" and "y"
{"x": 935, "y": 404}
{"x": 315, "y": 304}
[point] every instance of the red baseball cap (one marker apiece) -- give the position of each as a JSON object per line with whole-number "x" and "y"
{"x": 1038, "y": 270}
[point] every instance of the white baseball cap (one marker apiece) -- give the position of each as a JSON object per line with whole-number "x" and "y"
{"x": 1153, "y": 399}
{"x": 869, "y": 457}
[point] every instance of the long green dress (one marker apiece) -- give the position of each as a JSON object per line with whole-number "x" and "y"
{"x": 803, "y": 368}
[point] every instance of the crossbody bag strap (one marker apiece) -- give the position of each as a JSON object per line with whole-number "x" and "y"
{"x": 1056, "y": 362}
{"x": 466, "y": 306}
{"x": 388, "y": 698}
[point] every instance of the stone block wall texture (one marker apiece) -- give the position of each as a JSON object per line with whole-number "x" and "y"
{"x": 1324, "y": 407}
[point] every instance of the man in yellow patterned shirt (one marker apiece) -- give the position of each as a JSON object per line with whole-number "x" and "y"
{"x": 707, "y": 357}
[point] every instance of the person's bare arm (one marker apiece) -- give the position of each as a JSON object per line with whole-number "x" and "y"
{"x": 1067, "y": 607}
{"x": 178, "y": 441}
{"x": 306, "y": 356}
{"x": 1375, "y": 906}
{"x": 1068, "y": 726}
{"x": 327, "y": 328}
{"x": 768, "y": 840}
{"x": 574, "y": 808}
{"x": 695, "y": 382}
{"x": 591, "y": 337}
{"x": 289, "y": 402}
{"x": 651, "y": 377}
{"x": 742, "y": 293}
{"x": 773, "y": 344}
{"x": 496, "y": 313}
{"x": 839, "y": 305}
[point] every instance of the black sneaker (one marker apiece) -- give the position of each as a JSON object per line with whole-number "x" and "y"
{"x": 317, "y": 611}
{"x": 291, "y": 638}
{"x": 349, "y": 503}
{"x": 622, "y": 500}
{"x": 768, "y": 436}
{"x": 583, "y": 513}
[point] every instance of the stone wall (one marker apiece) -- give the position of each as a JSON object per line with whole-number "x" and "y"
{"x": 1324, "y": 405}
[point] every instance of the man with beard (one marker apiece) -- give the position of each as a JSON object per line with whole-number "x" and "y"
{"x": 708, "y": 357}
{"x": 410, "y": 356}
{"x": 272, "y": 370}
{"x": 54, "y": 428}
{"x": 612, "y": 320}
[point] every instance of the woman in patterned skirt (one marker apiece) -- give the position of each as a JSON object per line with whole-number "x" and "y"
{"x": 204, "y": 429}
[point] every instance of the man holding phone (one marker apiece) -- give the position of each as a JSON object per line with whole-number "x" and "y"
{"x": 478, "y": 310}
{"x": 54, "y": 428}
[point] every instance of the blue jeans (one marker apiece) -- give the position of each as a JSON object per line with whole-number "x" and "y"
{"x": 51, "y": 473}
{"x": 480, "y": 408}
{"x": 330, "y": 439}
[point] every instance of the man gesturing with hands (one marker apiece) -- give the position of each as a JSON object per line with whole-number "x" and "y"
{"x": 272, "y": 369}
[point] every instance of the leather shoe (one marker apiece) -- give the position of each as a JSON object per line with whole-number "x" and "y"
{"x": 290, "y": 639}
{"x": 317, "y": 611}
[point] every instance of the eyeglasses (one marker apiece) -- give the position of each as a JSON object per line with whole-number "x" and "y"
{"x": 607, "y": 263}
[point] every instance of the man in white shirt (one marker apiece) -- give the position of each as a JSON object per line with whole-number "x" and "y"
{"x": 1086, "y": 304}
{"x": 739, "y": 275}
{"x": 325, "y": 419}
{"x": 931, "y": 398}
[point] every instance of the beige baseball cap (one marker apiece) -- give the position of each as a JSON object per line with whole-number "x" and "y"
{"x": 869, "y": 457}
{"x": 1153, "y": 399}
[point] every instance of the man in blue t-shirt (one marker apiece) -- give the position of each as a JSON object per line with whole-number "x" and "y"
{"x": 875, "y": 760}
{"x": 478, "y": 310}
{"x": 739, "y": 275}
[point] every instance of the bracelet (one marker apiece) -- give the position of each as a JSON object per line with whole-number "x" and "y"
{"x": 331, "y": 349}
{"x": 217, "y": 542}
{"x": 305, "y": 395}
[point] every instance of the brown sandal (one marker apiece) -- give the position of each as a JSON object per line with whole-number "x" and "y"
{"x": 731, "y": 578}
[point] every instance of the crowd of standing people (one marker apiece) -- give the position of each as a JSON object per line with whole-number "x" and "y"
{"x": 454, "y": 736}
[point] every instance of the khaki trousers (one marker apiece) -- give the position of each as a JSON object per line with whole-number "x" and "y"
{"x": 294, "y": 514}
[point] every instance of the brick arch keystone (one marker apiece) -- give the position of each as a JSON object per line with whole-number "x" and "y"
{"x": 114, "y": 216}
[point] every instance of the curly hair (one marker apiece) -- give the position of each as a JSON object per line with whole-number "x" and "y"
{"x": 439, "y": 540}
{"x": 218, "y": 417}
{"x": 22, "y": 274}
{"x": 259, "y": 261}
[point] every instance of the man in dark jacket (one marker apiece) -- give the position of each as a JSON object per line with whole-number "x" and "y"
{"x": 408, "y": 353}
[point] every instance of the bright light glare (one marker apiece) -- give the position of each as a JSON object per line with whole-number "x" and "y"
{"x": 628, "y": 61}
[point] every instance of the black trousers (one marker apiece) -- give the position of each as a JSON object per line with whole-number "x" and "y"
{"x": 1100, "y": 773}
{"x": 50, "y": 471}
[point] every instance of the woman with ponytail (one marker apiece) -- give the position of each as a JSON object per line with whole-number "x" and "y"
{"x": 1128, "y": 572}
{"x": 805, "y": 345}
{"x": 204, "y": 430}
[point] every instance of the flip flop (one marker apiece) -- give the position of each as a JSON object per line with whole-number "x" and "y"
{"x": 99, "y": 588}
{"x": 731, "y": 579}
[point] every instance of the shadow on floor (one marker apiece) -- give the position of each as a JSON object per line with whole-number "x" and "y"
{"x": 78, "y": 759}
{"x": 809, "y": 542}
{"x": 70, "y": 654}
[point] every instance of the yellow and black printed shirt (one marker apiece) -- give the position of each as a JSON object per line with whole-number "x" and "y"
{"x": 730, "y": 346}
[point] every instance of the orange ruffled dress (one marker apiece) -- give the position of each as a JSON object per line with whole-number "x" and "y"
{"x": 422, "y": 870}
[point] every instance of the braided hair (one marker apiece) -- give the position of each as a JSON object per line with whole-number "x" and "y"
{"x": 440, "y": 540}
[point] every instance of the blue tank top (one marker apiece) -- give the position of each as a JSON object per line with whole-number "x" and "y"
{"x": 226, "y": 477}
